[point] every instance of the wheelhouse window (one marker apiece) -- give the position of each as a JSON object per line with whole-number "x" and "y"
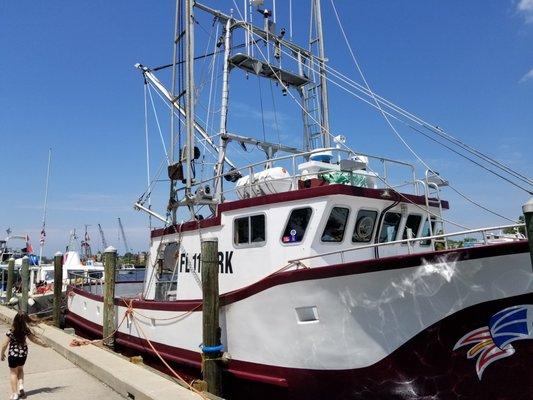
{"x": 166, "y": 276}
{"x": 297, "y": 225}
{"x": 389, "y": 229}
{"x": 413, "y": 222}
{"x": 364, "y": 226}
{"x": 249, "y": 230}
{"x": 167, "y": 264}
{"x": 426, "y": 232}
{"x": 334, "y": 230}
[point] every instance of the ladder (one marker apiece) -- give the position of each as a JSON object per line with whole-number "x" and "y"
{"x": 312, "y": 116}
{"x": 433, "y": 183}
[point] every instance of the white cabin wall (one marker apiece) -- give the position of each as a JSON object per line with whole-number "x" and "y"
{"x": 243, "y": 265}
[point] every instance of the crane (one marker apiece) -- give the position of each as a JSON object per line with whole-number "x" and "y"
{"x": 104, "y": 243}
{"x": 123, "y": 235}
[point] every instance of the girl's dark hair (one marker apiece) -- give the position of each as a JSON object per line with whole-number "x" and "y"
{"x": 22, "y": 326}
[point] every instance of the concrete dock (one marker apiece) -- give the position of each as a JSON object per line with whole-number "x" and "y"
{"x": 50, "y": 376}
{"x": 86, "y": 372}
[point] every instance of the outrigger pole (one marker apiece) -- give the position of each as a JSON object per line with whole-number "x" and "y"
{"x": 156, "y": 83}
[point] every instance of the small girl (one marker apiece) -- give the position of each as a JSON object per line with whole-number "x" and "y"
{"x": 18, "y": 351}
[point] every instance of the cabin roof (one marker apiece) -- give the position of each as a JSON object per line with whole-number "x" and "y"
{"x": 301, "y": 194}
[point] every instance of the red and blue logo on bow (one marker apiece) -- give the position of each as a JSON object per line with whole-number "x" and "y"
{"x": 493, "y": 342}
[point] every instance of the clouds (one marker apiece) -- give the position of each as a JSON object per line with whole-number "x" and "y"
{"x": 528, "y": 76}
{"x": 525, "y": 7}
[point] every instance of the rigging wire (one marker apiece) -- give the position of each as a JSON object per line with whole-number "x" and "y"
{"x": 433, "y": 129}
{"x": 261, "y": 106}
{"x": 394, "y": 108}
{"x": 275, "y": 112}
{"x": 317, "y": 122}
{"x": 158, "y": 125}
{"x": 389, "y": 114}
{"x": 180, "y": 117}
{"x": 413, "y": 152}
{"x": 213, "y": 63}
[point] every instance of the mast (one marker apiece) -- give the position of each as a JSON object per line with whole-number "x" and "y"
{"x": 189, "y": 106}
{"x": 174, "y": 99}
{"x": 223, "y": 113}
{"x": 43, "y": 231}
{"x": 324, "y": 106}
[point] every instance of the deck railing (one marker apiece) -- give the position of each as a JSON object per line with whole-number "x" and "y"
{"x": 292, "y": 160}
{"x": 91, "y": 284}
{"x": 298, "y": 262}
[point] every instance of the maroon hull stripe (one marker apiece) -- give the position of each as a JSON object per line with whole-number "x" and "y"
{"x": 330, "y": 271}
{"x": 424, "y": 367}
{"x": 301, "y": 194}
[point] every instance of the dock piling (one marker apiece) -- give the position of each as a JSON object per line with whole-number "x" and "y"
{"x": 527, "y": 209}
{"x": 58, "y": 287}
{"x": 212, "y": 372}
{"x": 109, "y": 322}
{"x": 10, "y": 276}
{"x": 25, "y": 276}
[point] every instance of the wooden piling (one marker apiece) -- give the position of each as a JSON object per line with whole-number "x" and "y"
{"x": 58, "y": 287}
{"x": 528, "y": 218}
{"x": 109, "y": 319}
{"x": 10, "y": 276}
{"x": 212, "y": 371}
{"x": 25, "y": 276}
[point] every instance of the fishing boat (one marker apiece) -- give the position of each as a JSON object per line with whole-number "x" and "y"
{"x": 336, "y": 281}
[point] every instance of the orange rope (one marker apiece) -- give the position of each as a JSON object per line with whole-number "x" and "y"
{"x": 180, "y": 316}
{"x": 140, "y": 330}
{"x": 83, "y": 342}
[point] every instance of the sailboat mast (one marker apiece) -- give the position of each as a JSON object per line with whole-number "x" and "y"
{"x": 324, "y": 105}
{"x": 189, "y": 77}
{"x": 43, "y": 232}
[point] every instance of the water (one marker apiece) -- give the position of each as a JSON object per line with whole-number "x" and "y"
{"x": 130, "y": 275}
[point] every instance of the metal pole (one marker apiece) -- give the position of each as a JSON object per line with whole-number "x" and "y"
{"x": 528, "y": 218}
{"x": 212, "y": 372}
{"x": 223, "y": 113}
{"x": 10, "y": 275}
{"x": 24, "y": 274}
{"x": 58, "y": 287}
{"x": 324, "y": 107}
{"x": 174, "y": 55}
{"x": 109, "y": 318}
{"x": 190, "y": 91}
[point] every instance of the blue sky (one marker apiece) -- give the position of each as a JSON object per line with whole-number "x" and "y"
{"x": 69, "y": 84}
